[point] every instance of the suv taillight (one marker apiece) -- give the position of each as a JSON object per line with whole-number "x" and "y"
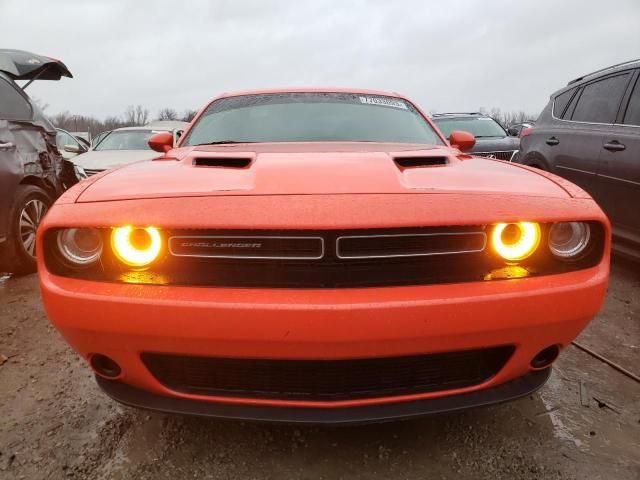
{"x": 526, "y": 132}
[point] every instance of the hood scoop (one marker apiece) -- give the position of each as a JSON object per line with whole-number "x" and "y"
{"x": 222, "y": 162}
{"x": 417, "y": 161}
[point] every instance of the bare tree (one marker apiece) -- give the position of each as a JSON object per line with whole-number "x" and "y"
{"x": 188, "y": 115}
{"x": 167, "y": 114}
{"x": 136, "y": 115}
{"x": 507, "y": 119}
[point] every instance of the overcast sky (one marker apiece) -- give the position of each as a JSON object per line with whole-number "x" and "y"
{"x": 447, "y": 55}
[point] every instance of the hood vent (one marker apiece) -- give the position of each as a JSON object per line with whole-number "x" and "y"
{"x": 224, "y": 162}
{"x": 412, "y": 162}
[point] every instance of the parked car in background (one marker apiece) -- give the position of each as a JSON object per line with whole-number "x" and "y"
{"x": 98, "y": 138}
{"x": 69, "y": 145}
{"x": 30, "y": 167}
{"x": 589, "y": 133}
{"x": 121, "y": 146}
{"x": 491, "y": 139}
{"x": 516, "y": 129}
{"x": 313, "y": 255}
{"x": 175, "y": 126}
{"x": 83, "y": 137}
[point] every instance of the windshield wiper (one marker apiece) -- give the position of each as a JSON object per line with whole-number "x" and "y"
{"x": 221, "y": 142}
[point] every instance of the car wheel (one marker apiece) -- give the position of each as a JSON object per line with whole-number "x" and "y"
{"x": 31, "y": 204}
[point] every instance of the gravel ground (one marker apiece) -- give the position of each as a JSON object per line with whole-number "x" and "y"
{"x": 55, "y": 423}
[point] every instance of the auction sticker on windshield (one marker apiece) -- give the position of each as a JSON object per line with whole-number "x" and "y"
{"x": 384, "y": 101}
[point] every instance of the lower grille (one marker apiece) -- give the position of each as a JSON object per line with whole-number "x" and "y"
{"x": 499, "y": 155}
{"x": 326, "y": 380}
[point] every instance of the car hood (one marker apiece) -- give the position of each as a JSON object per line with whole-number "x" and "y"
{"x": 497, "y": 144}
{"x": 107, "y": 159}
{"x": 315, "y": 169}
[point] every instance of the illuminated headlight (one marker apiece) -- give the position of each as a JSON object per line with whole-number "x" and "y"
{"x": 515, "y": 241}
{"x": 136, "y": 247}
{"x": 79, "y": 247}
{"x": 568, "y": 240}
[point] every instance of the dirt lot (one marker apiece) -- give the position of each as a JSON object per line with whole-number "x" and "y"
{"x": 54, "y": 422}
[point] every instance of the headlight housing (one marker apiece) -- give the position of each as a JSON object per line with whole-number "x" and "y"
{"x": 569, "y": 240}
{"x": 79, "y": 247}
{"x": 515, "y": 241}
{"x": 136, "y": 247}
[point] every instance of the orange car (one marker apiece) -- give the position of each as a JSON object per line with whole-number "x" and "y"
{"x": 322, "y": 256}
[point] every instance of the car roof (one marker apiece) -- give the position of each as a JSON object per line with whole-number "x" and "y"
{"x": 144, "y": 128}
{"x": 618, "y": 67}
{"x": 166, "y": 124}
{"x": 607, "y": 70}
{"x": 313, "y": 90}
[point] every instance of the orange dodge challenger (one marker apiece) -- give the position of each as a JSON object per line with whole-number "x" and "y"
{"x": 321, "y": 256}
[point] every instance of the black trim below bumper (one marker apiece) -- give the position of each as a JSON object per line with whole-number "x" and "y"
{"x": 512, "y": 390}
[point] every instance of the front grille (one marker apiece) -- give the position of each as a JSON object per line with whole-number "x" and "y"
{"x": 326, "y": 380}
{"x": 499, "y": 155}
{"x": 93, "y": 171}
{"x": 326, "y": 259}
{"x": 410, "y": 245}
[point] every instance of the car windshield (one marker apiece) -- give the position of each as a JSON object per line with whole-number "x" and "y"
{"x": 126, "y": 140}
{"x": 478, "y": 126}
{"x": 311, "y": 117}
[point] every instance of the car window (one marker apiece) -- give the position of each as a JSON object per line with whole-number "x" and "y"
{"x": 311, "y": 117}
{"x": 13, "y": 106}
{"x": 126, "y": 140}
{"x": 480, "y": 127}
{"x": 572, "y": 106}
{"x": 63, "y": 138}
{"x": 599, "y": 101}
{"x": 632, "y": 116}
{"x": 561, "y": 101}
{"x": 98, "y": 138}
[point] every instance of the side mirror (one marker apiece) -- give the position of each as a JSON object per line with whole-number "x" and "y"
{"x": 72, "y": 148}
{"x": 513, "y": 132}
{"x": 462, "y": 140}
{"x": 161, "y": 142}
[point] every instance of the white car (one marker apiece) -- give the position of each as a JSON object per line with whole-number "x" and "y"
{"x": 68, "y": 145}
{"x": 121, "y": 146}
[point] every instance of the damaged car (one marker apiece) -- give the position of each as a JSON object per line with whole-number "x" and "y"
{"x": 31, "y": 168}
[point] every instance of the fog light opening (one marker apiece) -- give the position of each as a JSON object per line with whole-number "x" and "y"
{"x": 105, "y": 366}
{"x": 545, "y": 357}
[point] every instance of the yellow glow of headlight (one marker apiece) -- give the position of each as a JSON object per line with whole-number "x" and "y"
{"x": 521, "y": 245}
{"x": 123, "y": 245}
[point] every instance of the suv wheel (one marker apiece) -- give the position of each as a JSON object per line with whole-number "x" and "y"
{"x": 31, "y": 203}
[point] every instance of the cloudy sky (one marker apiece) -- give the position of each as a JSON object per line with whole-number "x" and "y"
{"x": 448, "y": 55}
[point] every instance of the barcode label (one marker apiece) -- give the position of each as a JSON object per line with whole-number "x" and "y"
{"x": 384, "y": 101}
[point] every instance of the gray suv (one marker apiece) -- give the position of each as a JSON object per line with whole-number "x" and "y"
{"x": 589, "y": 133}
{"x": 32, "y": 172}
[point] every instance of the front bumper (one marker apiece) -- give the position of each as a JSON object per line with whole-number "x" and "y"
{"x": 511, "y": 390}
{"x": 123, "y": 321}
